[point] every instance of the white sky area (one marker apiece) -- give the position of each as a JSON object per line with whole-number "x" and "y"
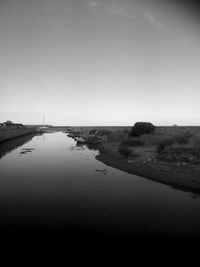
{"x": 106, "y": 62}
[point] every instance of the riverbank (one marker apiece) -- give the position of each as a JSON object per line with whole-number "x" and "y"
{"x": 12, "y": 132}
{"x": 143, "y": 159}
{"x": 169, "y": 174}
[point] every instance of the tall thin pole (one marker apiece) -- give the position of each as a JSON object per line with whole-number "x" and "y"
{"x": 43, "y": 119}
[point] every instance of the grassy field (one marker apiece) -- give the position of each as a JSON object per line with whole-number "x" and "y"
{"x": 165, "y": 140}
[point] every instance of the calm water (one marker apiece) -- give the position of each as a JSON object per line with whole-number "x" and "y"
{"x": 46, "y": 182}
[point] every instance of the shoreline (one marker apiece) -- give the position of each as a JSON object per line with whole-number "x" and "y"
{"x": 10, "y": 133}
{"x": 185, "y": 181}
{"x": 146, "y": 164}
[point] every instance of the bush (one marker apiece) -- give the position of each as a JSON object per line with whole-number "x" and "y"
{"x": 133, "y": 142}
{"x": 93, "y": 131}
{"x": 93, "y": 142}
{"x": 164, "y": 143}
{"x": 126, "y": 152}
{"x": 183, "y": 138}
{"x": 102, "y": 132}
{"x": 181, "y": 154}
{"x": 140, "y": 128}
{"x": 115, "y": 137}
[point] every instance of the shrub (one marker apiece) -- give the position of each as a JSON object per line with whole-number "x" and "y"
{"x": 133, "y": 142}
{"x": 102, "y": 132}
{"x": 93, "y": 142}
{"x": 195, "y": 141}
{"x": 93, "y": 131}
{"x": 183, "y": 138}
{"x": 93, "y": 146}
{"x": 164, "y": 143}
{"x": 126, "y": 152}
{"x": 180, "y": 154}
{"x": 140, "y": 128}
{"x": 196, "y": 152}
{"x": 115, "y": 137}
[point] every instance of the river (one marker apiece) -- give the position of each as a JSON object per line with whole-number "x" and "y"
{"x": 47, "y": 182}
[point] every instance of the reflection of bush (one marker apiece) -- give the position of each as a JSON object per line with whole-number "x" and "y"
{"x": 140, "y": 128}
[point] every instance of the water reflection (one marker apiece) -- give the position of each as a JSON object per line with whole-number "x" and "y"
{"x": 10, "y": 145}
{"x": 57, "y": 185}
{"x": 27, "y": 150}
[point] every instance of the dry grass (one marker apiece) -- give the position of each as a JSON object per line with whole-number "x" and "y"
{"x": 172, "y": 144}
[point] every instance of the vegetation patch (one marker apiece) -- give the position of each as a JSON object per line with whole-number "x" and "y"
{"x": 133, "y": 142}
{"x": 181, "y": 148}
{"x": 180, "y": 153}
{"x": 125, "y": 151}
{"x": 141, "y": 128}
{"x": 183, "y": 138}
{"x": 102, "y": 132}
{"x": 93, "y": 142}
{"x": 161, "y": 145}
{"x": 93, "y": 131}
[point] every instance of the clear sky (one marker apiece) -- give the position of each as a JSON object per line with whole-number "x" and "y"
{"x": 99, "y": 62}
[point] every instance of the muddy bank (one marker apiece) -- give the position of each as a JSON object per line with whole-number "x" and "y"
{"x": 184, "y": 179}
{"x": 142, "y": 161}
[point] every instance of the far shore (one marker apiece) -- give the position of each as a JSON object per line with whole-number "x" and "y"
{"x": 184, "y": 176}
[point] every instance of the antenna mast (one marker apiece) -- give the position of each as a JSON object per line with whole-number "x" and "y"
{"x": 43, "y": 120}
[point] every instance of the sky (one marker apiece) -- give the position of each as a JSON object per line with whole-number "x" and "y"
{"x": 100, "y": 62}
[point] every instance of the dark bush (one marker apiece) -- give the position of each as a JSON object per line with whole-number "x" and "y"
{"x": 140, "y": 128}
{"x": 126, "y": 152}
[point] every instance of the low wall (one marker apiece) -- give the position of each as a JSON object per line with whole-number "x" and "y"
{"x": 7, "y": 133}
